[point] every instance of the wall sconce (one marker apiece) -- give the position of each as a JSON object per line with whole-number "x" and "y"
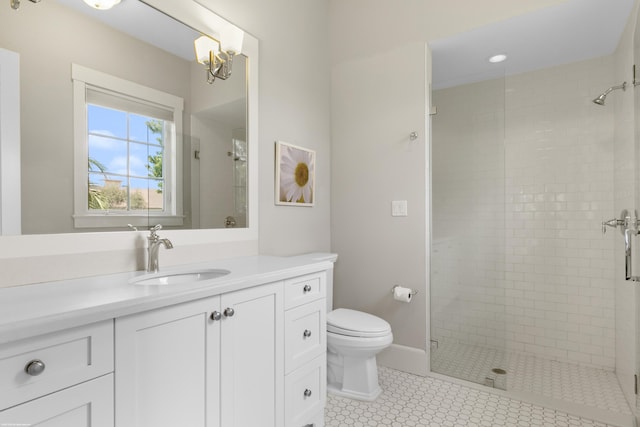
{"x": 15, "y": 4}
{"x": 219, "y": 63}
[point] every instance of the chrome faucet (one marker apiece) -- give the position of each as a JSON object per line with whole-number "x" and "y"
{"x": 154, "y": 246}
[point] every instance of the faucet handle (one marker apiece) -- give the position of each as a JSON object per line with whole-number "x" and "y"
{"x": 153, "y": 230}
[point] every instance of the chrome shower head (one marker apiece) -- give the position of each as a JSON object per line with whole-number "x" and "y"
{"x": 600, "y": 99}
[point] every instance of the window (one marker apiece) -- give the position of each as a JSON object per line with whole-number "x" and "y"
{"x": 127, "y": 152}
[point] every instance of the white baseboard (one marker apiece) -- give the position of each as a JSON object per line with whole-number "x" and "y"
{"x": 403, "y": 358}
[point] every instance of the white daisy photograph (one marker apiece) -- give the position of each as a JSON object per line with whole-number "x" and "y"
{"x": 295, "y": 175}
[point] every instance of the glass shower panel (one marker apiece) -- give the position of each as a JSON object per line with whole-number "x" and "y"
{"x": 634, "y": 398}
{"x": 240, "y": 177}
{"x": 468, "y": 295}
{"x": 523, "y": 282}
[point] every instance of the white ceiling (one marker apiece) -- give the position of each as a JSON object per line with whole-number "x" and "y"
{"x": 572, "y": 31}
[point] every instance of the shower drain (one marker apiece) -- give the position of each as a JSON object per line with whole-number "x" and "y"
{"x": 497, "y": 379}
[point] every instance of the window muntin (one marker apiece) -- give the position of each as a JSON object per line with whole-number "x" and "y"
{"x": 125, "y": 161}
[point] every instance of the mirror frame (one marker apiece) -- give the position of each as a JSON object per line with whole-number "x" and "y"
{"x": 10, "y": 217}
{"x": 207, "y": 22}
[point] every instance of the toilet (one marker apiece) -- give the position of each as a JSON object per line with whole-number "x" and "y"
{"x": 354, "y": 339}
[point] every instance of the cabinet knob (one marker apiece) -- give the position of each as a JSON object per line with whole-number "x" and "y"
{"x": 229, "y": 312}
{"x": 306, "y": 333}
{"x": 307, "y": 288}
{"x": 216, "y": 315}
{"x": 307, "y": 393}
{"x": 35, "y": 367}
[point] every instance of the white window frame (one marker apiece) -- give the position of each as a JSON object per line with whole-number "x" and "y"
{"x": 84, "y": 78}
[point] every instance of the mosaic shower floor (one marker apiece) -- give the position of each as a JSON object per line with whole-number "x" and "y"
{"x": 412, "y": 401}
{"x": 582, "y": 385}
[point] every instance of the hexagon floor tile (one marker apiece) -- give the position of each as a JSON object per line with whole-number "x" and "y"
{"x": 412, "y": 401}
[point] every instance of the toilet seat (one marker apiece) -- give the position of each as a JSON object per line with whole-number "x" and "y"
{"x": 354, "y": 323}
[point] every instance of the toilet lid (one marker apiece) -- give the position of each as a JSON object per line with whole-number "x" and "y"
{"x": 356, "y": 323}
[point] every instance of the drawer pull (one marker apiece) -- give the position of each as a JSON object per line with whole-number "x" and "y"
{"x": 306, "y": 333}
{"x": 307, "y": 288}
{"x": 216, "y": 315}
{"x": 35, "y": 367}
{"x": 229, "y": 312}
{"x": 309, "y": 425}
{"x": 307, "y": 393}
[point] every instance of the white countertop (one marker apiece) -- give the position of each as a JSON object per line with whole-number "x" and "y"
{"x": 31, "y": 310}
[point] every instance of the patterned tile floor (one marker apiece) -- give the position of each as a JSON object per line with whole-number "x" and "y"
{"x": 583, "y": 385}
{"x": 412, "y": 401}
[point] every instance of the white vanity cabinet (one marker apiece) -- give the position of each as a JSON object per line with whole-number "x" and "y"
{"x": 305, "y": 350}
{"x": 59, "y": 379}
{"x": 248, "y": 350}
{"x": 211, "y": 362}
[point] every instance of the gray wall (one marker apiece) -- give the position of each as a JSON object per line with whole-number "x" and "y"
{"x": 373, "y": 163}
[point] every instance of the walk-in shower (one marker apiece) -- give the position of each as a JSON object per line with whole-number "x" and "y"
{"x": 523, "y": 280}
{"x": 525, "y": 289}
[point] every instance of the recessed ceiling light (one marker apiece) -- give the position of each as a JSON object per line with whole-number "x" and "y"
{"x": 498, "y": 58}
{"x": 102, "y": 4}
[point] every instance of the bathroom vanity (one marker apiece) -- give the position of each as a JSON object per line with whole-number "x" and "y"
{"x": 247, "y": 348}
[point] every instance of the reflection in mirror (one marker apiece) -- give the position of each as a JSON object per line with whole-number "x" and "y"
{"x": 178, "y": 158}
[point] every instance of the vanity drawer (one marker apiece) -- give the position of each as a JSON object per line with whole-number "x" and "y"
{"x": 316, "y": 420}
{"x": 306, "y": 391}
{"x": 304, "y": 289}
{"x": 86, "y": 404}
{"x": 305, "y": 334}
{"x": 56, "y": 361}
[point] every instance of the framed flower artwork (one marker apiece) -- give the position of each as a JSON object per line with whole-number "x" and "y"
{"x": 295, "y": 175}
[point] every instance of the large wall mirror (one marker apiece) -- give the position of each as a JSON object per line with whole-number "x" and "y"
{"x": 122, "y": 122}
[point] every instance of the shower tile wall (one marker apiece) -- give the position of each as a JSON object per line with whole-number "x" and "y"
{"x": 518, "y": 258}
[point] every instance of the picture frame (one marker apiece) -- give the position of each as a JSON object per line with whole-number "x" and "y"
{"x": 295, "y": 175}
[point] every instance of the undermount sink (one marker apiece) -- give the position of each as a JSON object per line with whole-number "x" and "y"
{"x": 178, "y": 278}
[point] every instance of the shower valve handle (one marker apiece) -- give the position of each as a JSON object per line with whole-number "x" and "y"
{"x": 624, "y": 221}
{"x": 613, "y": 223}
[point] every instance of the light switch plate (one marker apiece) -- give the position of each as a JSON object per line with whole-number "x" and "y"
{"x": 399, "y": 208}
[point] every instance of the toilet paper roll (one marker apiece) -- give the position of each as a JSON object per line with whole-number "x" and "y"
{"x": 402, "y": 294}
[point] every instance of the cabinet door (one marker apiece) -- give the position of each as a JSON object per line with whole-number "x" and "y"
{"x": 167, "y": 367}
{"x": 89, "y": 404}
{"x": 251, "y": 345}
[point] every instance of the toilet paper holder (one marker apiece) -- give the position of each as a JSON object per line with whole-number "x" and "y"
{"x": 413, "y": 291}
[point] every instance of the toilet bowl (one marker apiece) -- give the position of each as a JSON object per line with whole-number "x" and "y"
{"x": 354, "y": 339}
